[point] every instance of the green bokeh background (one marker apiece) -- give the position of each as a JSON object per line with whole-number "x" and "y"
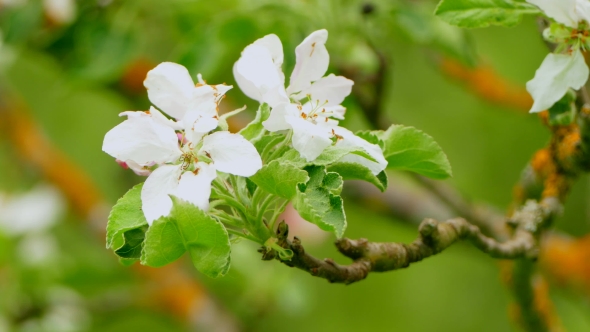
{"x": 69, "y": 78}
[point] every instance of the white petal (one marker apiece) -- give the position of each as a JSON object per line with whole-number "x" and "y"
{"x": 232, "y": 153}
{"x": 204, "y": 92}
{"x": 312, "y": 61}
{"x": 155, "y": 201}
{"x": 196, "y": 188}
{"x": 273, "y": 44}
{"x": 170, "y": 87}
{"x": 336, "y": 111}
{"x": 200, "y": 121}
{"x": 583, "y": 10}
{"x": 143, "y": 140}
{"x": 309, "y": 139}
{"x": 349, "y": 139}
{"x": 557, "y": 74}
{"x": 563, "y": 11}
{"x": 258, "y": 77}
{"x": 276, "y": 121}
{"x": 158, "y": 116}
{"x": 328, "y": 91}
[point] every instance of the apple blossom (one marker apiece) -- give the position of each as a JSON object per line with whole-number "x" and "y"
{"x": 188, "y": 156}
{"x": 310, "y": 105}
{"x": 560, "y": 72}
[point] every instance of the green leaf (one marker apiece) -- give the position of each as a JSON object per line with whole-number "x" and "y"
{"x": 163, "y": 243}
{"x": 267, "y": 142}
{"x": 409, "y": 149}
{"x": 280, "y": 178}
{"x": 133, "y": 243}
{"x": 125, "y": 216}
{"x": 127, "y": 261}
{"x": 316, "y": 203}
{"x": 254, "y": 130}
{"x": 355, "y": 171}
{"x": 563, "y": 112}
{"x": 329, "y": 156}
{"x": 483, "y": 13}
{"x": 188, "y": 228}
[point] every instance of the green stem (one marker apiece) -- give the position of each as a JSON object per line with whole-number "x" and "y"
{"x": 277, "y": 212}
{"x": 281, "y": 145}
{"x": 245, "y": 236}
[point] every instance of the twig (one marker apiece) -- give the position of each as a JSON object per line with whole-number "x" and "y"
{"x": 434, "y": 237}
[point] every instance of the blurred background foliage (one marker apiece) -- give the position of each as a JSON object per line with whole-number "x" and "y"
{"x": 65, "y": 74}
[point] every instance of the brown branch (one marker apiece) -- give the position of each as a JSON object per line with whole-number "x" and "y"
{"x": 434, "y": 237}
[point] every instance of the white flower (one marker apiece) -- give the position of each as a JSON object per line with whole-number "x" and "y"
{"x": 557, "y": 74}
{"x": 188, "y": 156}
{"x": 310, "y": 106}
{"x": 171, "y": 88}
{"x": 34, "y": 211}
{"x": 566, "y": 12}
{"x": 60, "y": 11}
{"x": 560, "y": 72}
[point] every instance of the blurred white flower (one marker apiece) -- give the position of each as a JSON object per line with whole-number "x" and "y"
{"x": 60, "y": 11}
{"x": 33, "y": 211}
{"x": 188, "y": 160}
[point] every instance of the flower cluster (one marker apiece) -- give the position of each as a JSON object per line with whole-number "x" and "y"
{"x": 566, "y": 68}
{"x": 186, "y": 149}
{"x": 310, "y": 105}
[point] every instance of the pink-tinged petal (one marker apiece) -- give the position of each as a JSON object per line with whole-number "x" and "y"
{"x": 563, "y": 11}
{"x": 143, "y": 140}
{"x": 277, "y": 119}
{"x": 312, "y": 61}
{"x": 232, "y": 153}
{"x": 309, "y": 139}
{"x": 349, "y": 139}
{"x": 170, "y": 87}
{"x": 139, "y": 169}
{"x": 328, "y": 91}
{"x": 155, "y": 201}
{"x": 196, "y": 188}
{"x": 258, "y": 77}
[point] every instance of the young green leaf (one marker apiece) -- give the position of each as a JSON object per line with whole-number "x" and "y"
{"x": 133, "y": 243}
{"x": 330, "y": 155}
{"x": 254, "y": 130}
{"x": 483, "y": 13}
{"x": 125, "y": 216}
{"x": 280, "y": 178}
{"x": 354, "y": 171}
{"x": 407, "y": 148}
{"x": 316, "y": 203}
{"x": 163, "y": 243}
{"x": 188, "y": 228}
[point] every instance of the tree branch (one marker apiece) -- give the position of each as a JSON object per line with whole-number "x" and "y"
{"x": 434, "y": 237}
